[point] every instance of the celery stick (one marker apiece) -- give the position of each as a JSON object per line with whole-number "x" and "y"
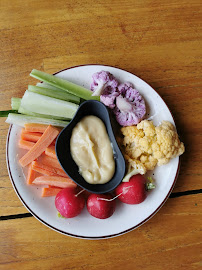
{"x": 21, "y": 120}
{"x": 47, "y": 105}
{"x": 28, "y": 112}
{"x": 59, "y": 94}
{"x": 6, "y": 113}
{"x": 47, "y": 85}
{"x": 64, "y": 84}
{"x": 15, "y": 103}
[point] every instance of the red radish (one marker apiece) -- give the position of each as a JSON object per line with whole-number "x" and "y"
{"x": 69, "y": 202}
{"x": 132, "y": 192}
{"x": 101, "y": 205}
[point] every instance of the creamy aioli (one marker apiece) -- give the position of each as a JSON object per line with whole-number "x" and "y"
{"x": 92, "y": 151}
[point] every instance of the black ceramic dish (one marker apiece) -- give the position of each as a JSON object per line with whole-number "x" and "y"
{"x": 62, "y": 147}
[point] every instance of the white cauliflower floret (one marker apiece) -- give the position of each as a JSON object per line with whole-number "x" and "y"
{"x": 151, "y": 145}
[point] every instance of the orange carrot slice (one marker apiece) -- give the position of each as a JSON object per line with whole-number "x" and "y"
{"x": 25, "y": 144}
{"x": 50, "y": 151}
{"x": 41, "y": 170}
{"x": 53, "y": 143}
{"x": 40, "y": 146}
{"x": 56, "y": 181}
{"x": 34, "y": 127}
{"x": 50, "y": 191}
{"x": 49, "y": 161}
{"x": 31, "y": 175}
{"x": 47, "y": 170}
{"x": 30, "y": 136}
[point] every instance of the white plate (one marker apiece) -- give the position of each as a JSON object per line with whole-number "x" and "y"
{"x": 126, "y": 217}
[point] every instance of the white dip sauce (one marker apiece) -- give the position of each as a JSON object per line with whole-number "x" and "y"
{"x": 92, "y": 151}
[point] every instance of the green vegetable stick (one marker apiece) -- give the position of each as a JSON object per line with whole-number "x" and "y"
{"x": 21, "y": 120}
{"x": 21, "y": 110}
{"x": 15, "y": 103}
{"x": 64, "y": 84}
{"x": 47, "y": 105}
{"x": 59, "y": 94}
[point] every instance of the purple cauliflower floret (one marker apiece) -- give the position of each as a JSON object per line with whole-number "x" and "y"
{"x": 109, "y": 99}
{"x": 105, "y": 85}
{"x": 130, "y": 106}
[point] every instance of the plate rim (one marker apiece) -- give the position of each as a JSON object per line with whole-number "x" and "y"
{"x": 75, "y": 235}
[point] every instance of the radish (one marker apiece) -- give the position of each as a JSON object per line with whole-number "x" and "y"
{"x": 101, "y": 205}
{"x": 134, "y": 191}
{"x": 69, "y": 202}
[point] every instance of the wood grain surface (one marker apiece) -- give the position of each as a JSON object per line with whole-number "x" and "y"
{"x": 160, "y": 42}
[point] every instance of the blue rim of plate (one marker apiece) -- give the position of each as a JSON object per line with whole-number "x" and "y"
{"x": 79, "y": 236}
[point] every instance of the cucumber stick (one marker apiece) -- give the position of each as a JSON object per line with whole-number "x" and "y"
{"x": 37, "y": 103}
{"x": 15, "y": 103}
{"x": 59, "y": 94}
{"x": 27, "y": 112}
{"x": 21, "y": 120}
{"x": 64, "y": 85}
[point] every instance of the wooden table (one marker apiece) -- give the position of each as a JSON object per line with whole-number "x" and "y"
{"x": 159, "y": 41}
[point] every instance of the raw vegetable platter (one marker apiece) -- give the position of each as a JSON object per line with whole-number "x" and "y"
{"x": 126, "y": 217}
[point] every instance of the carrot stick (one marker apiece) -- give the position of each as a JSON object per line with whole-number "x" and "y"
{"x": 40, "y": 169}
{"x": 53, "y": 143}
{"x": 34, "y": 127}
{"x": 28, "y": 145}
{"x": 47, "y": 170}
{"x": 25, "y": 144}
{"x": 50, "y": 151}
{"x": 31, "y": 175}
{"x": 30, "y": 136}
{"x": 56, "y": 181}
{"x": 40, "y": 146}
{"x": 50, "y": 191}
{"x": 49, "y": 161}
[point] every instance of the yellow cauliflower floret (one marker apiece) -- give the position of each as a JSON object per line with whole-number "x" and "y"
{"x": 134, "y": 167}
{"x": 145, "y": 144}
{"x": 150, "y": 145}
{"x": 167, "y": 145}
{"x": 131, "y": 134}
{"x": 136, "y": 164}
{"x": 147, "y": 127}
{"x": 133, "y": 151}
{"x": 149, "y": 161}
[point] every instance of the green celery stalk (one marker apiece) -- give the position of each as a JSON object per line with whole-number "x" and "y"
{"x": 15, "y": 103}
{"x": 64, "y": 84}
{"x": 21, "y": 120}
{"x": 47, "y": 85}
{"x": 59, "y": 94}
